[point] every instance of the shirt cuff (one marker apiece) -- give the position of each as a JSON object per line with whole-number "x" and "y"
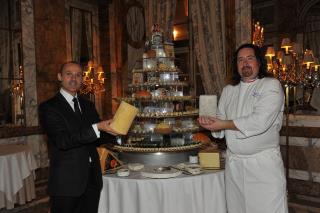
{"x": 218, "y": 134}
{"x": 95, "y": 128}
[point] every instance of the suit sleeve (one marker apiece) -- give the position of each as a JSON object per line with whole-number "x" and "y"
{"x": 59, "y": 132}
{"x": 104, "y": 137}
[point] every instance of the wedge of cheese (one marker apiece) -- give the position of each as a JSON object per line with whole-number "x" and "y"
{"x": 123, "y": 118}
{"x": 108, "y": 160}
{"x": 209, "y": 158}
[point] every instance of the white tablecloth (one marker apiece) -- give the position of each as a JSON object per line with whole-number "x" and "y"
{"x": 184, "y": 194}
{"x": 17, "y": 164}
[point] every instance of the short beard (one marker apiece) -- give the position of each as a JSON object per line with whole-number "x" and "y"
{"x": 246, "y": 71}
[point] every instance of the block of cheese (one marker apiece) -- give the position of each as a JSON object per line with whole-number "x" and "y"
{"x": 123, "y": 118}
{"x": 208, "y": 105}
{"x": 209, "y": 158}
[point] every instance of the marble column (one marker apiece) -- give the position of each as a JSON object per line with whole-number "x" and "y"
{"x": 29, "y": 62}
{"x": 243, "y": 21}
{"x": 303, "y": 154}
{"x": 117, "y": 46}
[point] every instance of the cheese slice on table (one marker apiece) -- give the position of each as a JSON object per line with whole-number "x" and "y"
{"x": 209, "y": 158}
{"x": 123, "y": 118}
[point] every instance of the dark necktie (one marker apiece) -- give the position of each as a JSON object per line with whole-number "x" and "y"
{"x": 76, "y": 107}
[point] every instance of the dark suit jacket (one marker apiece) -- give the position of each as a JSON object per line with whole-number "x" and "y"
{"x": 71, "y": 141}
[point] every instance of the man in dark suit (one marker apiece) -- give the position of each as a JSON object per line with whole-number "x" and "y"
{"x": 73, "y": 128}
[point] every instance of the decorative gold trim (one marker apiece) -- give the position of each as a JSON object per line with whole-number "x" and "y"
{"x": 131, "y": 148}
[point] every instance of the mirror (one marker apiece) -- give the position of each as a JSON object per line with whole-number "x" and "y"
{"x": 11, "y": 69}
{"x": 135, "y": 26}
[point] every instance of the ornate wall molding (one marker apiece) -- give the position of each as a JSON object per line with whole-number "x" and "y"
{"x": 304, "y": 10}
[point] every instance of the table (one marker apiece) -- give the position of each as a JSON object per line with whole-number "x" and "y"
{"x": 202, "y": 193}
{"x": 17, "y": 164}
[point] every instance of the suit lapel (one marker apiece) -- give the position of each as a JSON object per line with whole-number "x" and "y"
{"x": 65, "y": 107}
{"x": 84, "y": 110}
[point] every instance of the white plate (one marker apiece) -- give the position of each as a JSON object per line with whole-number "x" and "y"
{"x": 160, "y": 172}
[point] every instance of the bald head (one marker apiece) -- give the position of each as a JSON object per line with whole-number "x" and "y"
{"x": 70, "y": 76}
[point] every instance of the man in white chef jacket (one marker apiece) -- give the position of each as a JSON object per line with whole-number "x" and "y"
{"x": 250, "y": 116}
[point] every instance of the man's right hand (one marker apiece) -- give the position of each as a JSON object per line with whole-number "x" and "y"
{"x": 215, "y": 124}
{"x": 105, "y": 126}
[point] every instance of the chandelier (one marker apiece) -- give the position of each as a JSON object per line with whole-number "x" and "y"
{"x": 294, "y": 69}
{"x": 93, "y": 79}
{"x": 257, "y": 35}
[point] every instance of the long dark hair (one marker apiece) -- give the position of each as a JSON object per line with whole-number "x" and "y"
{"x": 235, "y": 79}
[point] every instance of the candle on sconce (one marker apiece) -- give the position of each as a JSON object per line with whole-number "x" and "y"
{"x": 287, "y": 96}
{"x": 294, "y": 97}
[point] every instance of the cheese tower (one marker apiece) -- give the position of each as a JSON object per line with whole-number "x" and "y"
{"x": 123, "y": 118}
{"x": 209, "y": 158}
{"x": 208, "y": 105}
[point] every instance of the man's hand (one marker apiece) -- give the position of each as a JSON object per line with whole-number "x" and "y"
{"x": 215, "y": 124}
{"x": 105, "y": 126}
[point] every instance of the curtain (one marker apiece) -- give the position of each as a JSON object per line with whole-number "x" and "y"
{"x": 161, "y": 12}
{"x": 208, "y": 27}
{"x": 81, "y": 24}
{"x": 243, "y": 22}
{"x": 76, "y": 32}
{"x": 4, "y": 47}
{"x": 88, "y": 31}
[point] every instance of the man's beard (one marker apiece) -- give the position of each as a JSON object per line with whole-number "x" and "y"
{"x": 246, "y": 71}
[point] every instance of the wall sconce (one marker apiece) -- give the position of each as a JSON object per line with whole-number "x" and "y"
{"x": 294, "y": 69}
{"x": 316, "y": 64}
{"x": 286, "y": 44}
{"x": 257, "y": 35}
{"x": 17, "y": 92}
{"x": 270, "y": 52}
{"x": 174, "y": 33}
{"x": 93, "y": 79}
{"x": 308, "y": 58}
